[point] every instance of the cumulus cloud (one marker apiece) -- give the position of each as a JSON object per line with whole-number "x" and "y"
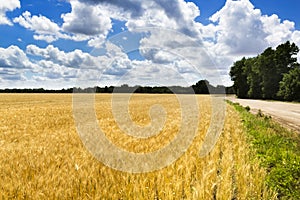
{"x": 175, "y": 46}
{"x": 6, "y": 6}
{"x": 92, "y": 20}
{"x": 114, "y": 67}
{"x": 66, "y": 67}
{"x": 47, "y": 30}
{"x": 83, "y": 23}
{"x": 239, "y": 28}
{"x": 56, "y": 64}
{"x": 43, "y": 27}
{"x": 39, "y": 24}
{"x": 134, "y": 7}
{"x": 154, "y": 74}
{"x": 53, "y": 64}
{"x": 73, "y": 59}
{"x": 278, "y": 31}
{"x": 183, "y": 13}
{"x": 170, "y": 47}
{"x": 51, "y": 70}
{"x": 13, "y": 64}
{"x": 118, "y": 62}
{"x": 137, "y": 13}
{"x": 178, "y": 16}
{"x": 14, "y": 57}
{"x": 11, "y": 75}
{"x": 86, "y": 20}
{"x": 47, "y": 38}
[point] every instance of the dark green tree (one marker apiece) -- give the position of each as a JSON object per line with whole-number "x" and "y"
{"x": 260, "y": 77}
{"x": 239, "y": 77}
{"x": 266, "y": 66}
{"x": 253, "y": 78}
{"x": 290, "y": 85}
{"x": 285, "y": 61}
{"x": 201, "y": 87}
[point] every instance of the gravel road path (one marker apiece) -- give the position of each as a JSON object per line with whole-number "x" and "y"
{"x": 288, "y": 114}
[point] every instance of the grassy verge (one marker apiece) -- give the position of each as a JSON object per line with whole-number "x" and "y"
{"x": 278, "y": 150}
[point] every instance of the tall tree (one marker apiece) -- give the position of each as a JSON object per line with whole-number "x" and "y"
{"x": 260, "y": 77}
{"x": 201, "y": 87}
{"x": 266, "y": 64}
{"x": 290, "y": 85}
{"x": 285, "y": 61}
{"x": 253, "y": 78}
{"x": 239, "y": 77}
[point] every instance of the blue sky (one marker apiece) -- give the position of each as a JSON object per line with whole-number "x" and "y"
{"x": 62, "y": 43}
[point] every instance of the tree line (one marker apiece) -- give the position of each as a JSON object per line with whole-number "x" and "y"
{"x": 273, "y": 74}
{"x": 201, "y": 87}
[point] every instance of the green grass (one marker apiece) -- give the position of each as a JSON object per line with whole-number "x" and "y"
{"x": 278, "y": 150}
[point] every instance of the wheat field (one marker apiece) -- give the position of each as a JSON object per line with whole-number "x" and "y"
{"x": 42, "y": 156}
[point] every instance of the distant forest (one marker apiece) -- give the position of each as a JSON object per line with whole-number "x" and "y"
{"x": 274, "y": 74}
{"x": 201, "y": 87}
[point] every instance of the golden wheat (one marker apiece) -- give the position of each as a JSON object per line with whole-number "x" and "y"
{"x": 42, "y": 156}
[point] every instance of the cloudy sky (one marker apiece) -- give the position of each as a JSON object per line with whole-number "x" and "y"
{"x": 66, "y": 43}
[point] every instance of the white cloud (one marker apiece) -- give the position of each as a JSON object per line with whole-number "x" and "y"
{"x": 43, "y": 27}
{"x": 51, "y": 70}
{"x": 176, "y": 15}
{"x": 152, "y": 17}
{"x": 97, "y": 41}
{"x": 74, "y": 59}
{"x": 10, "y": 74}
{"x": 114, "y": 67}
{"x": 5, "y": 6}
{"x": 47, "y": 38}
{"x": 39, "y": 24}
{"x": 13, "y": 64}
{"x": 183, "y": 13}
{"x": 176, "y": 48}
{"x": 83, "y": 23}
{"x": 87, "y": 23}
{"x": 239, "y": 28}
{"x": 154, "y": 74}
{"x": 86, "y": 20}
{"x": 278, "y": 32}
{"x": 14, "y": 57}
{"x": 132, "y": 7}
{"x": 93, "y": 17}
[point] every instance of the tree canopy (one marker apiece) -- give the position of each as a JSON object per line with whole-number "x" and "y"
{"x": 274, "y": 74}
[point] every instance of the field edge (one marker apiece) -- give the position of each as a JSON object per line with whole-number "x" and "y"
{"x": 277, "y": 148}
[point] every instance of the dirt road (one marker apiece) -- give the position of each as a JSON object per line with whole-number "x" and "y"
{"x": 288, "y": 114}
